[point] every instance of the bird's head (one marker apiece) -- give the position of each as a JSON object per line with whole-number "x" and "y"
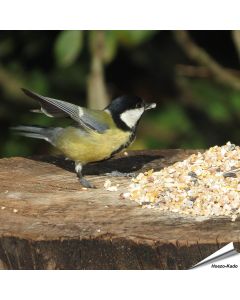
{"x": 127, "y": 111}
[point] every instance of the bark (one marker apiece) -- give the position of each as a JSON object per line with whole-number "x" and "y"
{"x": 49, "y": 222}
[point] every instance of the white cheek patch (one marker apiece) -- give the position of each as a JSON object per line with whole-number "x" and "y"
{"x": 131, "y": 117}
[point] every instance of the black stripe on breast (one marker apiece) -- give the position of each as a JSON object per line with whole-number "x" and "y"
{"x": 131, "y": 139}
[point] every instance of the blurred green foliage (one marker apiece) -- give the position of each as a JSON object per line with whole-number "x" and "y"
{"x": 192, "y": 112}
{"x": 68, "y": 46}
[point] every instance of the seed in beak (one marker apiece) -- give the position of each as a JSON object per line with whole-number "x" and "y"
{"x": 150, "y": 106}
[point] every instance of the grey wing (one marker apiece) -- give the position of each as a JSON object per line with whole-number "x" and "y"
{"x": 58, "y": 108}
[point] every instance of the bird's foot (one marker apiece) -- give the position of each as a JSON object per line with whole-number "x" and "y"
{"x": 85, "y": 183}
{"x": 120, "y": 174}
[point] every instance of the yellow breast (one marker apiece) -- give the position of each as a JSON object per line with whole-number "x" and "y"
{"x": 92, "y": 146}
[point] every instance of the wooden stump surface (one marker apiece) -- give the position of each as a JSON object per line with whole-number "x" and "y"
{"x": 47, "y": 221}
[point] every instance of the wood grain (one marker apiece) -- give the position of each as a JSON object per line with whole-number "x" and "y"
{"x": 47, "y": 221}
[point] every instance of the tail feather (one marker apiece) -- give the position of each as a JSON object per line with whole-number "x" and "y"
{"x": 32, "y": 131}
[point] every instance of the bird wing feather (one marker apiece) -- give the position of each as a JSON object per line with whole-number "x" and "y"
{"x": 86, "y": 118}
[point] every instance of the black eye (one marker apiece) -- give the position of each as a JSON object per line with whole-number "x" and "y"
{"x": 138, "y": 105}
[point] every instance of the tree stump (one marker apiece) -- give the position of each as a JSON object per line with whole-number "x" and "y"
{"x": 47, "y": 221}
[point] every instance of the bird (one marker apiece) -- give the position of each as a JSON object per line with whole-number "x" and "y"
{"x": 95, "y": 135}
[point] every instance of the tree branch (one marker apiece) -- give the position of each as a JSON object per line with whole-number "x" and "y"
{"x": 236, "y": 40}
{"x": 97, "y": 92}
{"x": 199, "y": 55}
{"x": 200, "y": 71}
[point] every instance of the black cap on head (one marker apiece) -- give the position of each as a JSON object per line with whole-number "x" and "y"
{"x": 124, "y": 103}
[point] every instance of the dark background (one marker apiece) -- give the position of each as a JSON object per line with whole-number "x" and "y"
{"x": 193, "y": 76}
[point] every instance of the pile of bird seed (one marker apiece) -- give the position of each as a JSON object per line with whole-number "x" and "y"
{"x": 205, "y": 184}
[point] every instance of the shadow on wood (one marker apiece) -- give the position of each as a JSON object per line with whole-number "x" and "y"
{"x": 126, "y": 164}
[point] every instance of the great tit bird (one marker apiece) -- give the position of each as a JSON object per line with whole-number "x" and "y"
{"x": 96, "y": 135}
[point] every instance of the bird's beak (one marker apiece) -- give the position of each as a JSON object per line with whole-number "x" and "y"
{"x": 149, "y": 106}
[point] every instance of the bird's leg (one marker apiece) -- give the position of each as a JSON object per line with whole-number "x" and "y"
{"x": 83, "y": 181}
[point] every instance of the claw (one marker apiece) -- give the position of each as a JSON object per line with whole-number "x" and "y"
{"x": 84, "y": 182}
